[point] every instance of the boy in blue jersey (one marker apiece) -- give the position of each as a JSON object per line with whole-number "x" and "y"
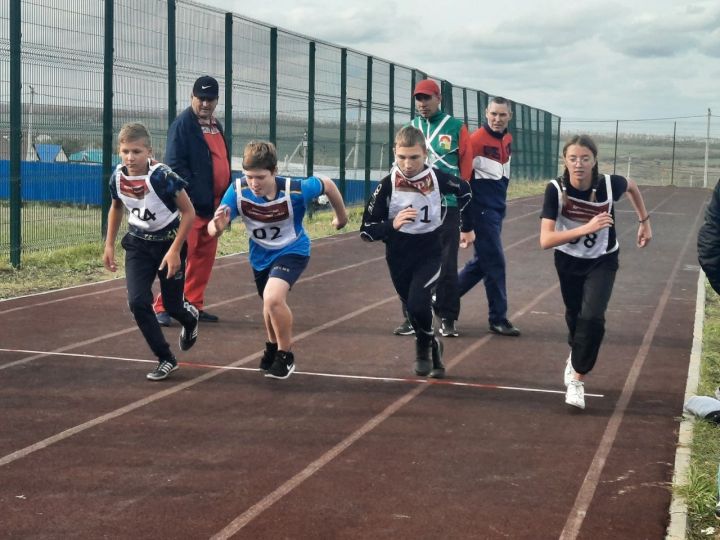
{"x": 272, "y": 209}
{"x": 156, "y": 199}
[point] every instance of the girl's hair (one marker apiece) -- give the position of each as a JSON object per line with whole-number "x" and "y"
{"x": 260, "y": 155}
{"x": 409, "y": 136}
{"x": 586, "y": 142}
{"x": 134, "y": 131}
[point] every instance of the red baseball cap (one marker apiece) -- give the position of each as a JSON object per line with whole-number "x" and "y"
{"x": 427, "y": 87}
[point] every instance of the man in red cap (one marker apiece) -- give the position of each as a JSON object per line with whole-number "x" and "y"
{"x": 197, "y": 152}
{"x": 448, "y": 149}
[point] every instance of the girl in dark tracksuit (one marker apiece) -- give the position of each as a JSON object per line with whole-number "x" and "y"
{"x": 578, "y": 220}
{"x": 406, "y": 212}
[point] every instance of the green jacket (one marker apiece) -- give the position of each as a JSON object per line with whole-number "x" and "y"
{"x": 442, "y": 136}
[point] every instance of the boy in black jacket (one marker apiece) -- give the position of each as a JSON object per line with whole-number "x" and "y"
{"x": 406, "y": 212}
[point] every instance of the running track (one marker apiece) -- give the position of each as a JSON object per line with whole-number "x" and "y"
{"x": 354, "y": 446}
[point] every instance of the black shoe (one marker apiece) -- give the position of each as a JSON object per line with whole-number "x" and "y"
{"x": 438, "y": 368}
{"x": 423, "y": 363}
{"x": 405, "y": 329}
{"x": 208, "y": 317}
{"x": 283, "y": 366}
{"x": 504, "y": 328}
{"x": 163, "y": 317}
{"x": 447, "y": 328}
{"x": 268, "y": 356}
{"x": 189, "y": 334}
{"x": 163, "y": 370}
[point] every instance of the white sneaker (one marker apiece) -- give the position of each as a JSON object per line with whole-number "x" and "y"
{"x": 575, "y": 394}
{"x": 569, "y": 371}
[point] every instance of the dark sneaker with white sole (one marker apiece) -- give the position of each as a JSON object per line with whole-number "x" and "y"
{"x": 447, "y": 328}
{"x": 189, "y": 334}
{"x": 405, "y": 329}
{"x": 163, "y": 370}
{"x": 283, "y": 365}
{"x": 504, "y": 328}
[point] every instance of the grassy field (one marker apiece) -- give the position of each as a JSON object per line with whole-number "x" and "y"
{"x": 44, "y": 270}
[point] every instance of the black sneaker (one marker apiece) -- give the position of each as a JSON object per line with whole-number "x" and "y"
{"x": 447, "y": 328}
{"x": 283, "y": 366}
{"x": 163, "y": 317}
{"x": 405, "y": 329}
{"x": 268, "y": 356}
{"x": 188, "y": 335}
{"x": 438, "y": 368}
{"x": 208, "y": 317}
{"x": 164, "y": 368}
{"x": 504, "y": 328}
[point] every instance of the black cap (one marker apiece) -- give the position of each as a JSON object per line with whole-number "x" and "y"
{"x": 206, "y": 87}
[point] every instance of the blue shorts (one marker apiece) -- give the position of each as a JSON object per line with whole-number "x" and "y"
{"x": 286, "y": 267}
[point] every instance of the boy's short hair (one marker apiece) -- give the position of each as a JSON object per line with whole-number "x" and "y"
{"x": 260, "y": 155}
{"x": 409, "y": 136}
{"x": 134, "y": 131}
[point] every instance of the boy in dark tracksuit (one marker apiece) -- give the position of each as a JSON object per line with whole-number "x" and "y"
{"x": 406, "y": 212}
{"x": 155, "y": 243}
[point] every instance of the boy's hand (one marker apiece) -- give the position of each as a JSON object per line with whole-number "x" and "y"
{"x": 466, "y": 239}
{"x": 171, "y": 261}
{"x": 339, "y": 222}
{"x": 406, "y": 215}
{"x": 221, "y": 218}
{"x": 109, "y": 259}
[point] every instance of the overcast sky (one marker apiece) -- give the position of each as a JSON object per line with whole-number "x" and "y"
{"x": 589, "y": 59}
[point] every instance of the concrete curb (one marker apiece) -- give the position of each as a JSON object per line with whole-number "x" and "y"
{"x": 677, "y": 529}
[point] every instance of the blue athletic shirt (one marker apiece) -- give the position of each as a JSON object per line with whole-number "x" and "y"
{"x": 301, "y": 193}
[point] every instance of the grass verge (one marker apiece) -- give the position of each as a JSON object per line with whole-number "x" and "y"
{"x": 701, "y": 491}
{"x": 66, "y": 267}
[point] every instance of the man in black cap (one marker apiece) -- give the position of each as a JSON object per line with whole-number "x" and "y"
{"x": 197, "y": 151}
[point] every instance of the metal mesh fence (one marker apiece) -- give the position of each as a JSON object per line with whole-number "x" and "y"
{"x": 669, "y": 151}
{"x": 89, "y": 66}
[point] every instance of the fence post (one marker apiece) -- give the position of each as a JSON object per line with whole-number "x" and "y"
{"x": 343, "y": 121}
{"x": 557, "y": 148}
{"x": 672, "y": 166}
{"x": 273, "y": 85}
{"x": 391, "y": 115}
{"x": 547, "y": 147}
{"x": 368, "y": 128}
{"x": 413, "y": 79}
{"x": 107, "y": 111}
{"x": 15, "y": 132}
{"x": 172, "y": 61}
{"x": 707, "y": 148}
{"x": 310, "y": 155}
{"x": 229, "y": 84}
{"x": 617, "y": 127}
{"x": 465, "y": 107}
{"x": 447, "y": 97}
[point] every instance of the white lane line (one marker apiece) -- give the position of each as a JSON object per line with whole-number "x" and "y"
{"x": 228, "y": 301}
{"x": 24, "y": 452}
{"x": 577, "y": 514}
{"x": 411, "y": 380}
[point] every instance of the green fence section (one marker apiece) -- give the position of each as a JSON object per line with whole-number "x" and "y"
{"x": 75, "y": 71}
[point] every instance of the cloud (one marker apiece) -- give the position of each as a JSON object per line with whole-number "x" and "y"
{"x": 665, "y": 33}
